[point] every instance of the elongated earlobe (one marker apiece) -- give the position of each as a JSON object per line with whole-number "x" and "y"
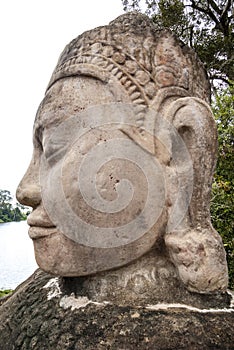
{"x": 193, "y": 120}
{"x": 194, "y": 246}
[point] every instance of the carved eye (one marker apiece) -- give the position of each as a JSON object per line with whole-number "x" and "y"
{"x": 54, "y": 151}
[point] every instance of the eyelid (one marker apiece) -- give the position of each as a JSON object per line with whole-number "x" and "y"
{"x": 54, "y": 151}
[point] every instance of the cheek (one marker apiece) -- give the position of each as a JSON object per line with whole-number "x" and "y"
{"x": 58, "y": 255}
{"x": 107, "y": 195}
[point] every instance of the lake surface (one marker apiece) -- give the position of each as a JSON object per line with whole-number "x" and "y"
{"x": 17, "y": 260}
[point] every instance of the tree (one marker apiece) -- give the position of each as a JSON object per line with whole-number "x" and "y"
{"x": 222, "y": 204}
{"x": 7, "y": 211}
{"x": 5, "y": 206}
{"x": 205, "y": 25}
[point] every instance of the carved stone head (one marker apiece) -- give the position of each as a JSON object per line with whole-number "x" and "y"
{"x": 124, "y": 152}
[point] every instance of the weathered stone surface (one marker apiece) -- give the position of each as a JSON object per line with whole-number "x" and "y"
{"x": 124, "y": 152}
{"x": 40, "y": 318}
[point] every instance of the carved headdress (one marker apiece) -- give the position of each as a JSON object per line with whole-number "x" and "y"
{"x": 143, "y": 59}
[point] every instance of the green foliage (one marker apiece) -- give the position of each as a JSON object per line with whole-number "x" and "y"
{"x": 8, "y": 212}
{"x": 222, "y": 204}
{"x": 5, "y": 292}
{"x": 205, "y": 25}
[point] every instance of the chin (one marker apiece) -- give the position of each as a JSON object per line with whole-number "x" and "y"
{"x": 58, "y": 255}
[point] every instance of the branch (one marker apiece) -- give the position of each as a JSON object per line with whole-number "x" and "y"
{"x": 214, "y": 6}
{"x": 191, "y": 36}
{"x": 224, "y": 19}
{"x": 217, "y": 77}
{"x": 207, "y": 12}
{"x": 226, "y": 8}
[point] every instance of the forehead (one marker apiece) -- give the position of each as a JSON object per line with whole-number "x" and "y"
{"x": 71, "y": 95}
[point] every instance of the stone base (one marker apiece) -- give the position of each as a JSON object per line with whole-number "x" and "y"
{"x": 39, "y": 316}
{"x": 150, "y": 280}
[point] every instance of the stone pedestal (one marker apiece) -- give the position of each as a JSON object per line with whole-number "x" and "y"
{"x": 41, "y": 316}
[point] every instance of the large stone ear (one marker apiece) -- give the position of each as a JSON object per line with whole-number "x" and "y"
{"x": 195, "y": 124}
{"x": 193, "y": 245}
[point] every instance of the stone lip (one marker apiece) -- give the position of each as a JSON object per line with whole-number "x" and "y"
{"x": 39, "y": 316}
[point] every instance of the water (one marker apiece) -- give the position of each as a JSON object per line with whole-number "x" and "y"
{"x": 17, "y": 260}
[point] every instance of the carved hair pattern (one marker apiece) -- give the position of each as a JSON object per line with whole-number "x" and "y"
{"x": 143, "y": 64}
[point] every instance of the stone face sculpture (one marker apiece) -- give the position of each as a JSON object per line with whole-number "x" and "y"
{"x": 124, "y": 152}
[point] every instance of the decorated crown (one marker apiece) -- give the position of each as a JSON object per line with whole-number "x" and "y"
{"x": 144, "y": 60}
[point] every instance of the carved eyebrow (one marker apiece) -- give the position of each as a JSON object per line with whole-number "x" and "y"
{"x": 37, "y": 135}
{"x": 47, "y": 99}
{"x": 38, "y": 126}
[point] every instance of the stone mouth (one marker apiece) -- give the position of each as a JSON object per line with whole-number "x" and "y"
{"x": 36, "y": 232}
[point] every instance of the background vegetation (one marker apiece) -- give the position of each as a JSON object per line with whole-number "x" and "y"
{"x": 5, "y": 292}
{"x": 208, "y": 27}
{"x": 222, "y": 204}
{"x": 205, "y": 25}
{"x": 8, "y": 212}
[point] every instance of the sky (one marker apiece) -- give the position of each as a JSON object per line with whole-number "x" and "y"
{"x": 33, "y": 34}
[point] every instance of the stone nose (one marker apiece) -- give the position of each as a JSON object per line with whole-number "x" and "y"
{"x": 28, "y": 194}
{"x": 29, "y": 191}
